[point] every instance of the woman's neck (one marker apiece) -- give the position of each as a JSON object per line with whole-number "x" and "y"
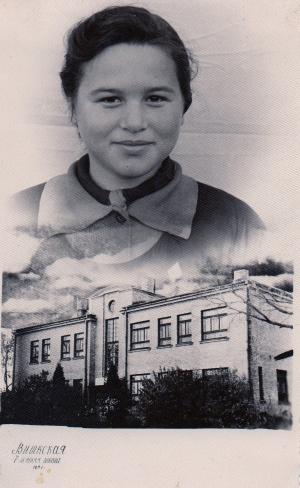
{"x": 110, "y": 181}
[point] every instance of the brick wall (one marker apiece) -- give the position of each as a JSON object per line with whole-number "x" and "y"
{"x": 267, "y": 340}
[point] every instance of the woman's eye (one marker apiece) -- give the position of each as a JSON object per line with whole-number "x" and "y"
{"x": 157, "y": 99}
{"x": 110, "y": 100}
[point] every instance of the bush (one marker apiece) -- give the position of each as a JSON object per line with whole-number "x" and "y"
{"x": 112, "y": 401}
{"x": 40, "y": 401}
{"x": 173, "y": 400}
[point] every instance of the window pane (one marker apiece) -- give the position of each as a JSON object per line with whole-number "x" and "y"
{"x": 45, "y": 349}
{"x": 214, "y": 324}
{"x": 136, "y": 384}
{"x": 34, "y": 351}
{"x": 78, "y": 344}
{"x": 184, "y": 328}
{"x": 139, "y": 335}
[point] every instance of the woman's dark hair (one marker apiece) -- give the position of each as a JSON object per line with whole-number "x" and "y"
{"x": 126, "y": 24}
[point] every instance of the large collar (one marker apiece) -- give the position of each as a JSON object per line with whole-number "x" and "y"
{"x": 66, "y": 207}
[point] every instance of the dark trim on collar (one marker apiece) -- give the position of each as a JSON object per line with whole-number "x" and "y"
{"x": 162, "y": 177}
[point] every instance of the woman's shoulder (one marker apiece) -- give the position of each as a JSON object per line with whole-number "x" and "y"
{"x": 224, "y": 207}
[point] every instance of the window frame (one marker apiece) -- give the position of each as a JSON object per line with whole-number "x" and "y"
{"x": 223, "y": 371}
{"x": 78, "y": 353}
{"x": 34, "y": 347}
{"x": 206, "y": 335}
{"x": 181, "y": 336}
{"x": 283, "y": 396}
{"x": 142, "y": 344}
{"x": 261, "y": 384}
{"x": 65, "y": 355}
{"x": 166, "y": 325}
{"x": 46, "y": 356}
{"x": 144, "y": 376}
{"x": 113, "y": 344}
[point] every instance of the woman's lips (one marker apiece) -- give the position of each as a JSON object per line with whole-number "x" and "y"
{"x": 134, "y": 143}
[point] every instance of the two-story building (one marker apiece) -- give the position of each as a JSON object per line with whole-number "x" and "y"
{"x": 242, "y": 326}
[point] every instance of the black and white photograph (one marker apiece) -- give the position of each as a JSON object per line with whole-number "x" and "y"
{"x": 149, "y": 196}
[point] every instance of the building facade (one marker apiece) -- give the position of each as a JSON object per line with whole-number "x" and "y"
{"x": 241, "y": 326}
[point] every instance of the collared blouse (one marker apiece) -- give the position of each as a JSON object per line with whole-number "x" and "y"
{"x": 170, "y": 219}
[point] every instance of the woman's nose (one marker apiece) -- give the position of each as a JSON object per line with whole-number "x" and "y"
{"x": 133, "y": 117}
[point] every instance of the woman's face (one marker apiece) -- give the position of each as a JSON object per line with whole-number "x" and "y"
{"x": 129, "y": 109}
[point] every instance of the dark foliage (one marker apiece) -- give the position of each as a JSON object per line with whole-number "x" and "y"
{"x": 173, "y": 400}
{"x": 112, "y": 401}
{"x": 41, "y": 402}
{"x": 58, "y": 377}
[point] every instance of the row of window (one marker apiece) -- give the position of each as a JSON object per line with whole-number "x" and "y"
{"x": 213, "y": 326}
{"x": 136, "y": 381}
{"x": 65, "y": 348}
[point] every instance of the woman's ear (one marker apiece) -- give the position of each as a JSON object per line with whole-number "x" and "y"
{"x": 182, "y": 120}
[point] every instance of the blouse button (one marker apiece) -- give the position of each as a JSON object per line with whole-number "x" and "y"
{"x": 120, "y": 218}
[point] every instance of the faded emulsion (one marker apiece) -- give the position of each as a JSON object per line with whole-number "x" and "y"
{"x": 156, "y": 260}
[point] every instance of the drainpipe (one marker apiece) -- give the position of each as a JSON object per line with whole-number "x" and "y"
{"x": 14, "y": 362}
{"x": 86, "y": 386}
{"x": 126, "y": 346}
{"x": 249, "y": 345}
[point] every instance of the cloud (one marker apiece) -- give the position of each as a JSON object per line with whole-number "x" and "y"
{"x": 23, "y": 305}
{"x": 38, "y": 305}
{"x": 88, "y": 274}
{"x": 19, "y": 249}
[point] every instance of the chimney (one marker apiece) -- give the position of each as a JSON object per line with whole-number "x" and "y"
{"x": 82, "y": 306}
{"x": 240, "y": 275}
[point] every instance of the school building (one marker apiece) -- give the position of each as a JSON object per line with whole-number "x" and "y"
{"x": 243, "y": 326}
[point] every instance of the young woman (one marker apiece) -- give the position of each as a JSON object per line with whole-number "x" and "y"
{"x": 127, "y": 77}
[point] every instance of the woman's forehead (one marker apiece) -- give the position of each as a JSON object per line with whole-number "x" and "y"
{"x": 130, "y": 64}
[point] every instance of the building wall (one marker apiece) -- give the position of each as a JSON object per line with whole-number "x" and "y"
{"x": 267, "y": 340}
{"x": 73, "y": 368}
{"x": 248, "y": 344}
{"x": 219, "y": 353}
{"x": 100, "y": 306}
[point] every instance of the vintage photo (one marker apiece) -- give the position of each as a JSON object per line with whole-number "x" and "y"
{"x": 148, "y": 268}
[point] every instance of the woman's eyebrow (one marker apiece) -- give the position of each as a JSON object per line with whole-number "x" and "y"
{"x": 160, "y": 88}
{"x": 105, "y": 90}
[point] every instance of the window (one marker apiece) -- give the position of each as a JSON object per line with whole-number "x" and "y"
{"x": 65, "y": 349}
{"x": 112, "y": 305}
{"x": 78, "y": 345}
{"x": 139, "y": 337}
{"x": 34, "y": 352}
{"x": 136, "y": 384}
{"x": 111, "y": 344}
{"x": 214, "y": 324}
{"x": 164, "y": 331}
{"x": 282, "y": 386}
{"x": 184, "y": 328}
{"x": 206, "y": 373}
{"x": 45, "y": 350}
{"x": 186, "y": 374}
{"x": 261, "y": 384}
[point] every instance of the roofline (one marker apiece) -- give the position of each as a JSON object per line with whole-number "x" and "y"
{"x": 272, "y": 289}
{"x": 53, "y": 325}
{"x": 187, "y": 296}
{"x": 208, "y": 291}
{"x": 121, "y": 287}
